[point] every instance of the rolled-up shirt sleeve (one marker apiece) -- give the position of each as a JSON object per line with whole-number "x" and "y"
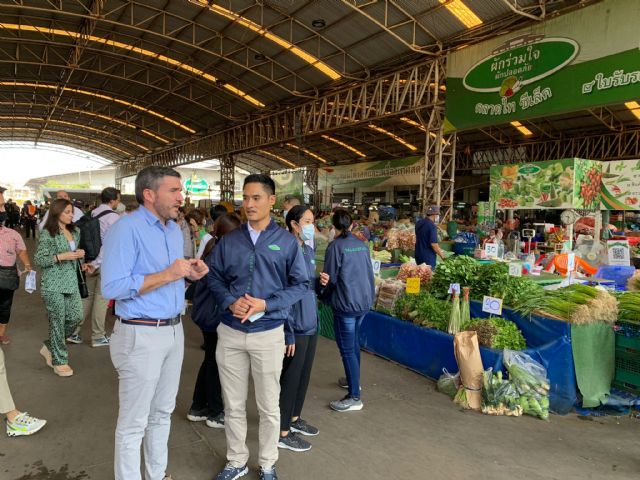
{"x": 119, "y": 248}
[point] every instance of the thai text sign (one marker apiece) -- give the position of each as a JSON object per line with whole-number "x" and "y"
{"x": 586, "y": 58}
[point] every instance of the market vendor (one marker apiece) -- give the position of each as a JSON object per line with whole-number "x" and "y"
{"x": 427, "y": 247}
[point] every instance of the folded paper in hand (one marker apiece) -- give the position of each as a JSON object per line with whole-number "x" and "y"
{"x": 30, "y": 282}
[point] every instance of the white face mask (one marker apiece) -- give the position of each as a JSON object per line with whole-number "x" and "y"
{"x": 284, "y": 214}
{"x": 437, "y": 219}
{"x": 307, "y": 232}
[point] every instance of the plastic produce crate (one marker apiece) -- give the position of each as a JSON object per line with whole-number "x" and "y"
{"x": 618, "y": 273}
{"x": 627, "y": 370}
{"x": 325, "y": 322}
{"x": 628, "y": 335}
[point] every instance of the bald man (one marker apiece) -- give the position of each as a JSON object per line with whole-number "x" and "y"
{"x": 77, "y": 213}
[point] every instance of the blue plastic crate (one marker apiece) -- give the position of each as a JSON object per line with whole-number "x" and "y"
{"x": 618, "y": 273}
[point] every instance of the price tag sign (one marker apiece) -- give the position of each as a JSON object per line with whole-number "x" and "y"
{"x": 515, "y": 269}
{"x": 619, "y": 253}
{"x": 413, "y": 286}
{"x": 376, "y": 266}
{"x": 491, "y": 250}
{"x": 492, "y": 305}
{"x": 454, "y": 288}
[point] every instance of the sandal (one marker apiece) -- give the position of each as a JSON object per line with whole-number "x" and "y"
{"x": 44, "y": 351}
{"x": 4, "y": 340}
{"x": 62, "y": 370}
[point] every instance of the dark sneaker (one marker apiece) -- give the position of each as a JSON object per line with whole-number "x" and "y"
{"x": 342, "y": 382}
{"x": 216, "y": 421}
{"x": 302, "y": 427}
{"x": 77, "y": 339}
{"x": 267, "y": 474}
{"x": 294, "y": 443}
{"x": 198, "y": 415}
{"x": 347, "y": 404}
{"x": 231, "y": 473}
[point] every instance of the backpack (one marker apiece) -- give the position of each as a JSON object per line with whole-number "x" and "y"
{"x": 90, "y": 240}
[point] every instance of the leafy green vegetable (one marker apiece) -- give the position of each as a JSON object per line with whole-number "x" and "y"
{"x": 458, "y": 269}
{"x": 498, "y": 333}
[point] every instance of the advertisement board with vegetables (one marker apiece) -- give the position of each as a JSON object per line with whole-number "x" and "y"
{"x": 553, "y": 184}
{"x": 621, "y": 185}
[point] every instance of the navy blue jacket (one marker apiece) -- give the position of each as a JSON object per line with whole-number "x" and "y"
{"x": 351, "y": 289}
{"x": 303, "y": 318}
{"x": 272, "y": 270}
{"x": 426, "y": 235}
{"x": 204, "y": 312}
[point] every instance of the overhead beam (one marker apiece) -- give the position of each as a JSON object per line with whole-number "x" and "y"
{"x": 622, "y": 145}
{"x": 86, "y": 30}
{"x": 405, "y": 90}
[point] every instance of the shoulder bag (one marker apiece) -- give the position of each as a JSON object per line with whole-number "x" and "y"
{"x": 82, "y": 281}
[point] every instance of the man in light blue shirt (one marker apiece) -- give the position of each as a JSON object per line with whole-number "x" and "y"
{"x": 144, "y": 271}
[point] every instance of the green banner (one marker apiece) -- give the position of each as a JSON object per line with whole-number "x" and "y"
{"x": 385, "y": 173}
{"x": 555, "y": 184}
{"x": 580, "y": 60}
{"x": 288, "y": 183}
{"x": 621, "y": 185}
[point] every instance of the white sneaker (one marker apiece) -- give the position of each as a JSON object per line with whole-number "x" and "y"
{"x": 100, "y": 342}
{"x": 24, "y": 424}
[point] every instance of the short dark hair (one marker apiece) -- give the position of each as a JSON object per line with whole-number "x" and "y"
{"x": 148, "y": 178}
{"x": 217, "y": 211}
{"x": 342, "y": 221}
{"x": 266, "y": 181}
{"x": 109, "y": 194}
{"x": 295, "y": 214}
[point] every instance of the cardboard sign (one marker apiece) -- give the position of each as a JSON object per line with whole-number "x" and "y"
{"x": 491, "y": 250}
{"x": 619, "y": 252}
{"x": 376, "y": 266}
{"x": 515, "y": 269}
{"x": 413, "y": 286}
{"x": 492, "y": 305}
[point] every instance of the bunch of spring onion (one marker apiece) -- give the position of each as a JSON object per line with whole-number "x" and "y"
{"x": 455, "y": 321}
{"x": 629, "y": 307}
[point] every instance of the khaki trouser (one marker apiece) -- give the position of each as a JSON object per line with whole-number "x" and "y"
{"x": 6, "y": 401}
{"x": 94, "y": 306}
{"x": 262, "y": 353}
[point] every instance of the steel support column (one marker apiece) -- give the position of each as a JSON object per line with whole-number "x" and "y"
{"x": 439, "y": 164}
{"x": 311, "y": 179}
{"x": 227, "y": 178}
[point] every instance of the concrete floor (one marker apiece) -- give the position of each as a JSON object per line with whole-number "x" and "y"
{"x": 407, "y": 429}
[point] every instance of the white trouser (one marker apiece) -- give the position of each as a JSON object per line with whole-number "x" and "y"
{"x": 148, "y": 360}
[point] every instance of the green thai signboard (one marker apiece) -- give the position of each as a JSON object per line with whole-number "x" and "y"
{"x": 196, "y": 185}
{"x": 621, "y": 185}
{"x": 580, "y": 60}
{"x": 555, "y": 184}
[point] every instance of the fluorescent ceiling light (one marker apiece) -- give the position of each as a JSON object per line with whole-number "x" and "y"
{"x": 140, "y": 51}
{"x": 415, "y": 124}
{"x": 634, "y": 107}
{"x": 342, "y": 144}
{"x": 521, "y": 128}
{"x": 308, "y": 152}
{"x": 102, "y": 97}
{"x": 65, "y": 134}
{"x": 463, "y": 13}
{"x": 73, "y": 124}
{"x": 398, "y": 139}
{"x": 260, "y": 30}
{"x": 279, "y": 158}
{"x": 97, "y": 115}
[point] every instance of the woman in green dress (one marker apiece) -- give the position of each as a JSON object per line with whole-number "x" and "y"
{"x": 58, "y": 256}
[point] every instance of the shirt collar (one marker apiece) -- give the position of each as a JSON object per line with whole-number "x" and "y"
{"x": 153, "y": 220}
{"x": 252, "y": 230}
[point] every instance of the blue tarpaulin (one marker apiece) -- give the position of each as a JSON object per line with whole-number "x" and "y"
{"x": 428, "y": 351}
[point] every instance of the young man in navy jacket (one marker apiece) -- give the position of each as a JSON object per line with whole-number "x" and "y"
{"x": 257, "y": 273}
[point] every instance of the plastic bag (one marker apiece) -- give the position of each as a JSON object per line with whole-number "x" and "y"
{"x": 448, "y": 384}
{"x": 530, "y": 380}
{"x": 30, "y": 282}
{"x": 499, "y": 395}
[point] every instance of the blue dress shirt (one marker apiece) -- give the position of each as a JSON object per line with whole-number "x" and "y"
{"x": 135, "y": 246}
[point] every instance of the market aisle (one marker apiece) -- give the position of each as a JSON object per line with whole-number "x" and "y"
{"x": 406, "y": 431}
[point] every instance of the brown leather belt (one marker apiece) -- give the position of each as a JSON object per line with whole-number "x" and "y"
{"x": 151, "y": 322}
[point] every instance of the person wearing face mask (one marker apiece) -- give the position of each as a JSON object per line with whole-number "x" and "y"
{"x": 427, "y": 248}
{"x": 301, "y": 339}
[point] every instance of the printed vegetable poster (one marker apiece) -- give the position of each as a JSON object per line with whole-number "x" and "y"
{"x": 554, "y": 184}
{"x": 621, "y": 185}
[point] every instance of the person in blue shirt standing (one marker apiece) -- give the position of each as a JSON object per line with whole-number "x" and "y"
{"x": 256, "y": 273}
{"x": 144, "y": 271}
{"x": 427, "y": 248}
{"x": 351, "y": 293}
{"x": 301, "y": 336}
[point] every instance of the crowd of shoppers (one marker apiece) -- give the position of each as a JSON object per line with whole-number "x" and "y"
{"x": 253, "y": 288}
